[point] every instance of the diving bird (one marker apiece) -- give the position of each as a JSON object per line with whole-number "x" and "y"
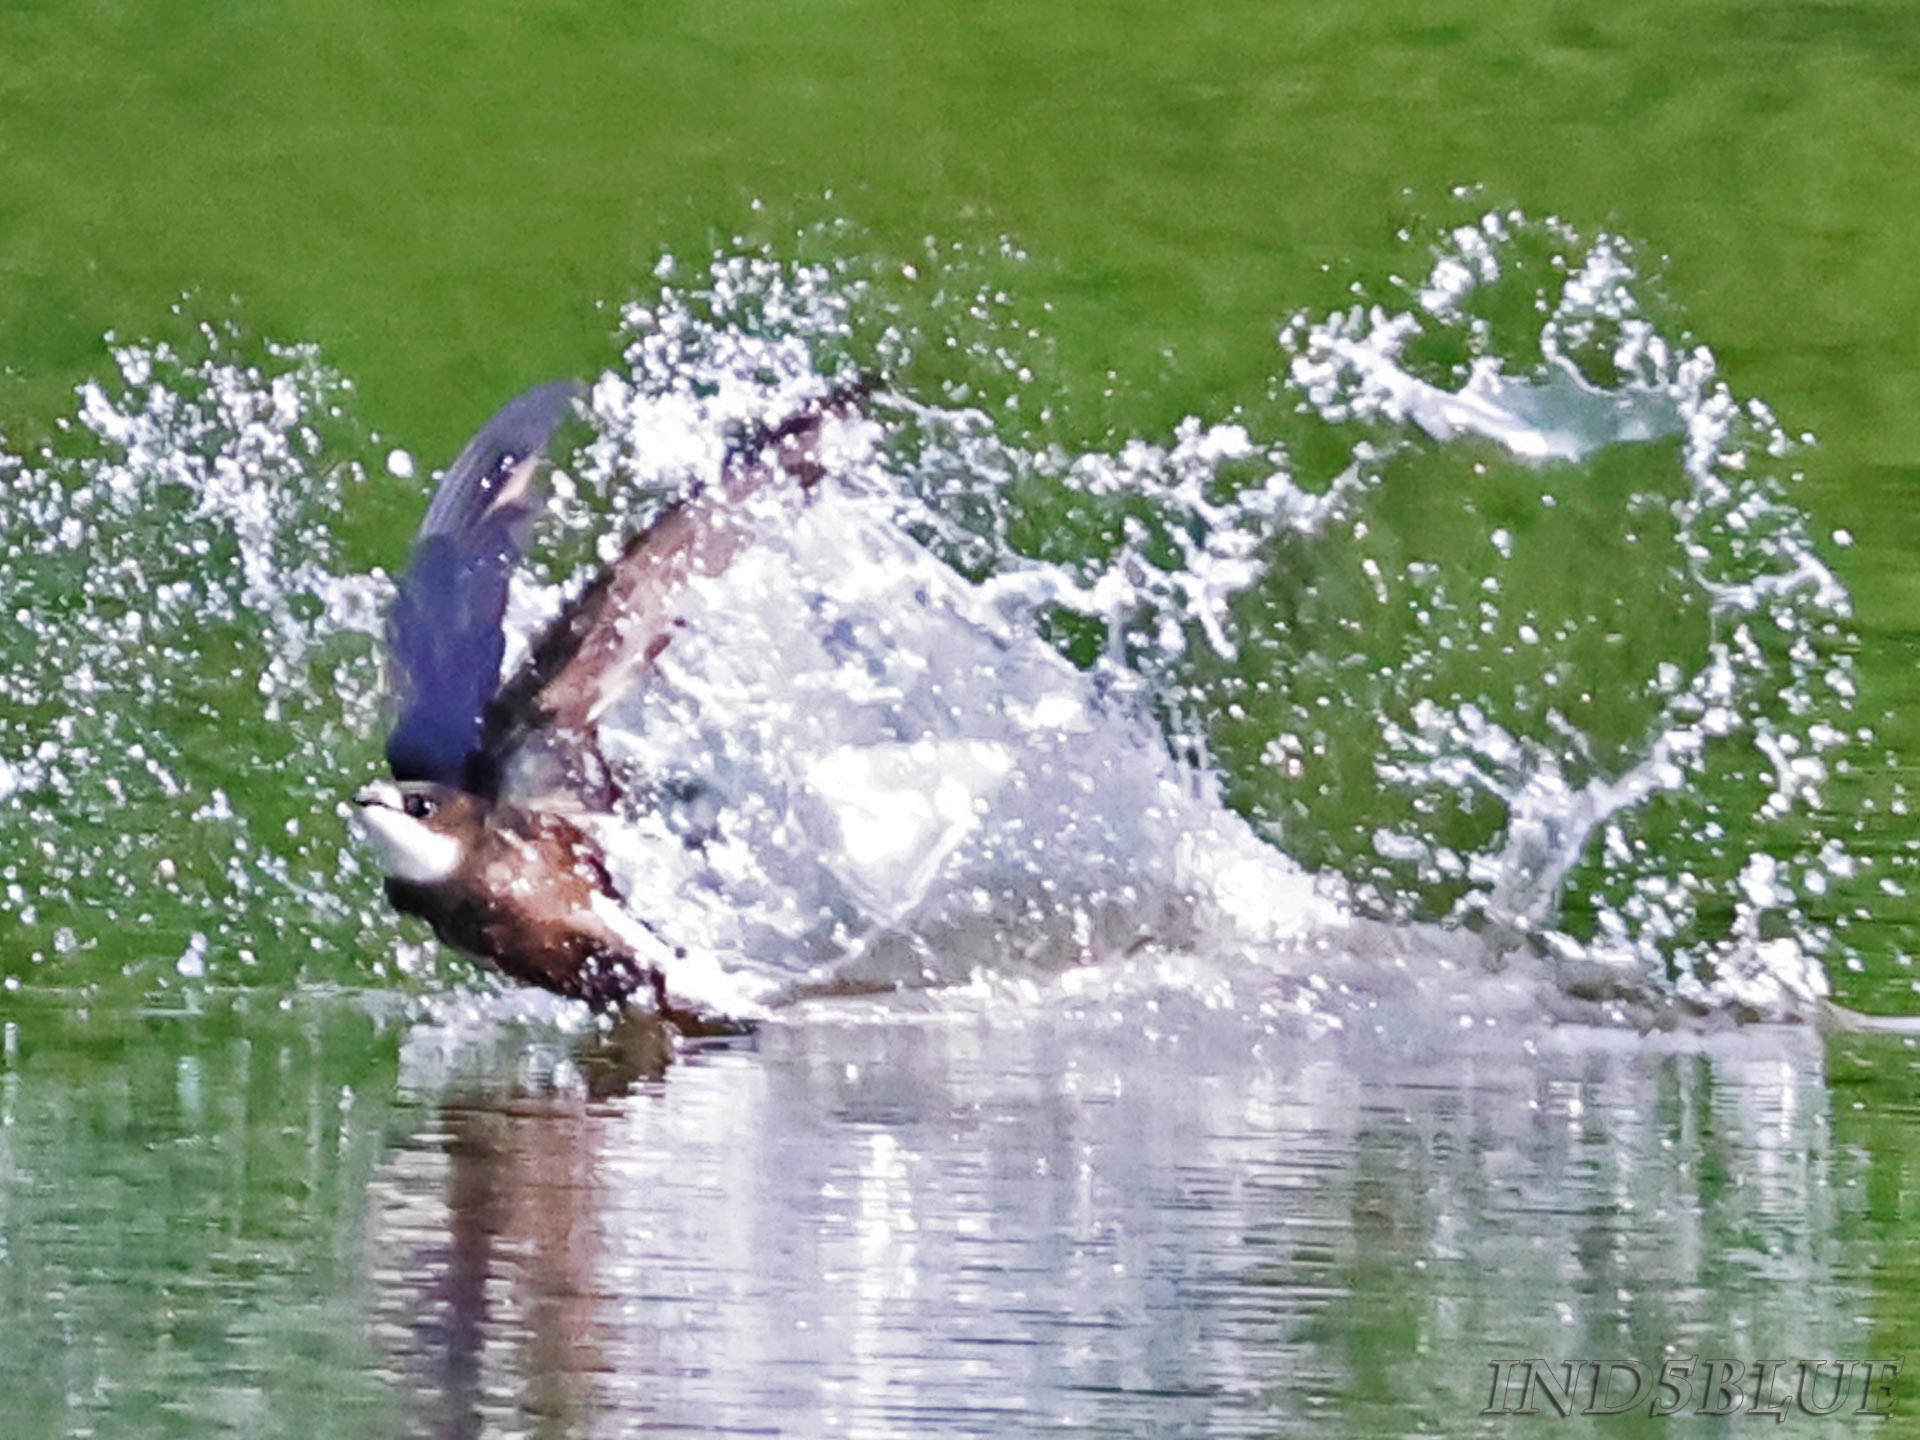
{"x": 481, "y": 829}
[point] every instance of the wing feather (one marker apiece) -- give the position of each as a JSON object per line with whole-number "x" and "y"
{"x": 445, "y": 636}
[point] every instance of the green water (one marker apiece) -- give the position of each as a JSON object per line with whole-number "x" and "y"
{"x": 226, "y": 1213}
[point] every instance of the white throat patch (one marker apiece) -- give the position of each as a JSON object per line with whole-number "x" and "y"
{"x": 408, "y": 849}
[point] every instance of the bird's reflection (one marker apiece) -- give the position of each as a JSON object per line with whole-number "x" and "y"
{"x": 526, "y": 1185}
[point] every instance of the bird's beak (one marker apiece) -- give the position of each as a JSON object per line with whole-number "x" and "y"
{"x": 378, "y": 793}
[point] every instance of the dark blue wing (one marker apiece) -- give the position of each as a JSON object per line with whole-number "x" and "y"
{"x": 444, "y": 631}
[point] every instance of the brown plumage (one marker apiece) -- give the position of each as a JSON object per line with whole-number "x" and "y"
{"x": 521, "y": 896}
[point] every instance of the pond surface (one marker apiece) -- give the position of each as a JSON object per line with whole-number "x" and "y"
{"x": 958, "y": 1224}
{"x": 1481, "y": 442}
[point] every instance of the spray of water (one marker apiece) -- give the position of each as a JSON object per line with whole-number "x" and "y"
{"x": 1673, "y": 811}
{"x": 188, "y": 658}
{"x": 1510, "y": 628}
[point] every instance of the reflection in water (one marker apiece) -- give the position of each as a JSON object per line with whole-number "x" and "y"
{"x": 521, "y": 1200}
{"x": 883, "y": 1225}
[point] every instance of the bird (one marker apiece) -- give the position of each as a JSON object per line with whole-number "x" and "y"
{"x": 481, "y": 829}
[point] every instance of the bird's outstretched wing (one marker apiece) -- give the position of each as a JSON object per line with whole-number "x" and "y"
{"x": 538, "y": 737}
{"x": 444, "y": 631}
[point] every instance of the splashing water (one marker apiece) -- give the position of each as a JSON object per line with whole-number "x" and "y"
{"x": 1718, "y": 759}
{"x": 1510, "y": 628}
{"x": 188, "y": 660}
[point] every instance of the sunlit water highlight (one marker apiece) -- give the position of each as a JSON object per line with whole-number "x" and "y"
{"x": 973, "y": 1227}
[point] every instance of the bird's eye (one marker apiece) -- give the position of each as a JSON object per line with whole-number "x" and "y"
{"x": 419, "y": 806}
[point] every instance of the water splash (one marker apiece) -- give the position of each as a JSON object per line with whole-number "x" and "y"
{"x": 1735, "y": 707}
{"x": 188, "y": 660}
{"x": 856, "y": 768}
{"x": 1511, "y": 627}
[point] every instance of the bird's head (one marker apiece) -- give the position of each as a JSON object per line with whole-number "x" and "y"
{"x": 422, "y": 831}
